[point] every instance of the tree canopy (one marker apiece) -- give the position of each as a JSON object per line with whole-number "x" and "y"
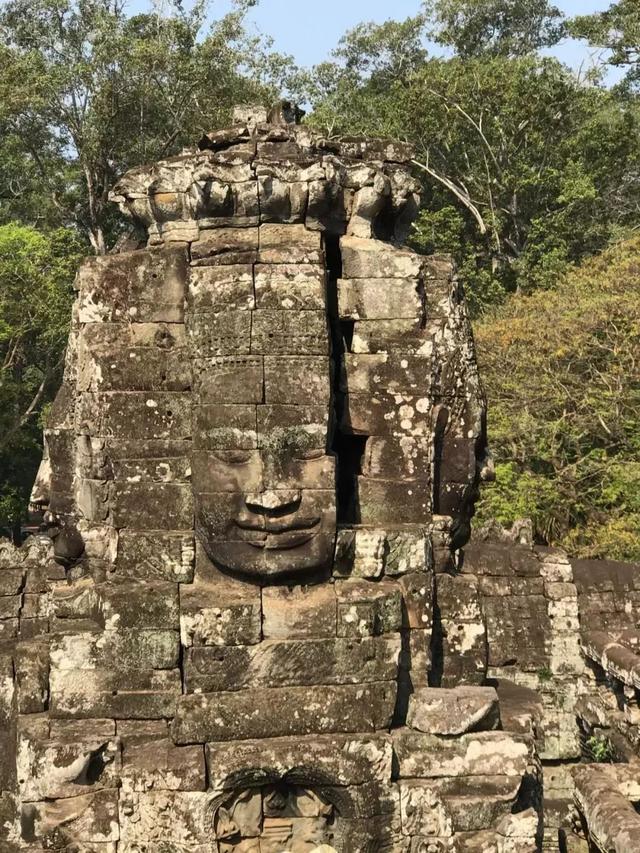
{"x": 526, "y": 168}
{"x": 495, "y": 27}
{"x": 616, "y": 30}
{"x": 36, "y": 274}
{"x": 562, "y": 373}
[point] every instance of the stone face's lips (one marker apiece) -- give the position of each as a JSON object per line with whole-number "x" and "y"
{"x": 273, "y": 534}
{"x": 284, "y": 541}
{"x": 275, "y": 526}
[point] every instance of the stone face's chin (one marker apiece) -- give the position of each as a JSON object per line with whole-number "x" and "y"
{"x": 296, "y": 554}
{"x": 244, "y": 534}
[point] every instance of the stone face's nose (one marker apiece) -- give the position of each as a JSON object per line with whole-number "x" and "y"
{"x": 272, "y": 499}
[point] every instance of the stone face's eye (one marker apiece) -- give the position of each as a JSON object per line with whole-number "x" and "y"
{"x": 233, "y": 457}
{"x": 307, "y": 455}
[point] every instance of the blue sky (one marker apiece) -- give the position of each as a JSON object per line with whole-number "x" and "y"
{"x": 308, "y": 29}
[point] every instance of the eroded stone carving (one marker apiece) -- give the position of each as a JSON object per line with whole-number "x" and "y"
{"x": 272, "y": 819}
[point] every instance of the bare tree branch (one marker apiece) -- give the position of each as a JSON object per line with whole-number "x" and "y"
{"x": 462, "y": 196}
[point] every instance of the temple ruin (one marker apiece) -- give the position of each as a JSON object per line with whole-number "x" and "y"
{"x": 260, "y": 621}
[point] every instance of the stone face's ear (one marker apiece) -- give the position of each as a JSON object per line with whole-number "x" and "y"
{"x": 68, "y": 545}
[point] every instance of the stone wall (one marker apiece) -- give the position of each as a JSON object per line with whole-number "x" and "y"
{"x": 255, "y": 624}
{"x": 268, "y": 438}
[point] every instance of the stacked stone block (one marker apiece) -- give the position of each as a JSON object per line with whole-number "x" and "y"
{"x": 264, "y": 454}
{"x": 607, "y": 798}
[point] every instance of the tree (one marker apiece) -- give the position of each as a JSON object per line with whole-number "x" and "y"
{"x": 476, "y": 28}
{"x": 562, "y": 372}
{"x": 616, "y": 30}
{"x": 368, "y": 61}
{"x": 36, "y": 274}
{"x": 89, "y": 92}
{"x": 525, "y": 168}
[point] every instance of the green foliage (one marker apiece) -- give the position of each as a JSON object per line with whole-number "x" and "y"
{"x": 600, "y": 749}
{"x": 388, "y": 50}
{"x": 36, "y": 274}
{"x": 617, "y": 30}
{"x": 525, "y": 169}
{"x": 496, "y": 27}
{"x": 544, "y": 674}
{"x": 520, "y": 493}
{"x": 562, "y": 372}
{"x": 440, "y": 230}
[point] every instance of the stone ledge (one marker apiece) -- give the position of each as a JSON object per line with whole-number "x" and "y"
{"x": 614, "y": 825}
{"x": 440, "y": 711}
{"x": 615, "y": 658}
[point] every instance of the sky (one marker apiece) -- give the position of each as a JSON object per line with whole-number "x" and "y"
{"x": 308, "y": 30}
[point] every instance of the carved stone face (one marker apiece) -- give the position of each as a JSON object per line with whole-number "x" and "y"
{"x": 263, "y": 481}
{"x": 267, "y": 508}
{"x": 271, "y": 532}
{"x": 201, "y": 391}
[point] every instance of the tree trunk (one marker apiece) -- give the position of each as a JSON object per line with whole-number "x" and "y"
{"x": 96, "y": 237}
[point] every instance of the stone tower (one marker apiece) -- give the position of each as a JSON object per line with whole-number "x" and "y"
{"x": 250, "y": 633}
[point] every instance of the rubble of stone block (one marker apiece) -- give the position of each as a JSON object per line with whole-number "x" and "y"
{"x": 606, "y": 796}
{"x": 256, "y": 623}
{"x": 608, "y": 709}
{"x": 561, "y": 669}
